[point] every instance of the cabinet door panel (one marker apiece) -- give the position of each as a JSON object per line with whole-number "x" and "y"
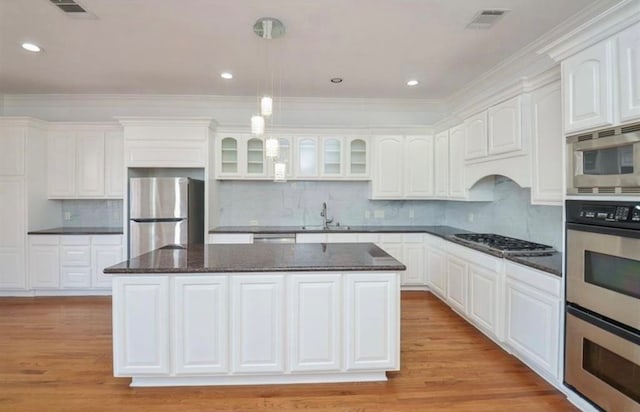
{"x": 413, "y": 258}
{"x": 418, "y": 167}
{"x": 332, "y": 157}
{"x": 457, "y": 189}
{"x": 388, "y": 167}
{"x": 12, "y": 151}
{"x": 588, "y": 88}
{"x": 358, "y": 162}
{"x": 201, "y": 324}
{"x": 483, "y": 298}
{"x": 257, "y": 337}
{"x": 90, "y": 161}
{"x": 75, "y": 277}
{"x": 114, "y": 181}
{"x": 102, "y": 257}
{"x": 316, "y": 338}
{"x": 505, "y": 126}
{"x": 141, "y": 326}
{"x": 307, "y": 157}
{"x": 61, "y": 164}
{"x": 44, "y": 266}
{"x": 441, "y": 162}
{"x": 372, "y": 321}
{"x": 475, "y": 145}
{"x": 438, "y": 272}
{"x": 457, "y": 283}
{"x": 629, "y": 64}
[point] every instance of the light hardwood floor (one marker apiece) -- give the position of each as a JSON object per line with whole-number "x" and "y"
{"x": 55, "y": 355}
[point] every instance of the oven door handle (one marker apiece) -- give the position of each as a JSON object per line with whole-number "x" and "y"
{"x": 597, "y": 321}
{"x": 605, "y": 230}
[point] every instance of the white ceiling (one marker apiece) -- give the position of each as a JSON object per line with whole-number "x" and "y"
{"x": 181, "y": 46}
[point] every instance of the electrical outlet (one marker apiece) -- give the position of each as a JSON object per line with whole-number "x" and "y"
{"x": 67, "y": 215}
{"x": 378, "y": 214}
{"x": 470, "y": 217}
{"x": 411, "y": 214}
{"x": 367, "y": 214}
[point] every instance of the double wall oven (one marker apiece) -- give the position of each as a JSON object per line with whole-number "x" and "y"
{"x": 602, "y": 338}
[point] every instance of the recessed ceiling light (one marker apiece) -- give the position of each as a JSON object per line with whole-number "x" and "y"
{"x": 336, "y": 80}
{"x": 226, "y": 75}
{"x": 412, "y": 83}
{"x": 31, "y": 47}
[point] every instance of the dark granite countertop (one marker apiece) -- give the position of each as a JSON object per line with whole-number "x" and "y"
{"x": 549, "y": 263}
{"x": 261, "y": 258}
{"x": 78, "y": 231}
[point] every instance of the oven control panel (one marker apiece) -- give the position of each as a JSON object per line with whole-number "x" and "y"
{"x": 614, "y": 214}
{"x": 611, "y": 213}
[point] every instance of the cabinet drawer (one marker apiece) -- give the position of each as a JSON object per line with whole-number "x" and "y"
{"x": 38, "y": 240}
{"x": 75, "y": 255}
{"x": 75, "y": 240}
{"x": 75, "y": 277}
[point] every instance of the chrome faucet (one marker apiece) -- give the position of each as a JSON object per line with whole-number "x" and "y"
{"x": 323, "y": 213}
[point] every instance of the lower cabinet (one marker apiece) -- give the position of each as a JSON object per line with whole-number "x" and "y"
{"x": 484, "y": 299}
{"x": 72, "y": 262}
{"x": 533, "y": 318}
{"x": 255, "y": 324}
{"x": 457, "y": 283}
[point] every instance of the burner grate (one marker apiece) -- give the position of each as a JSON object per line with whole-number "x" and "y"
{"x": 504, "y": 244}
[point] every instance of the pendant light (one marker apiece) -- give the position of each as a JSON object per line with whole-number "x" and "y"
{"x": 266, "y": 106}
{"x": 272, "y": 147}
{"x": 279, "y": 172}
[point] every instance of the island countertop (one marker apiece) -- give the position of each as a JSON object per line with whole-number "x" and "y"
{"x": 260, "y": 258}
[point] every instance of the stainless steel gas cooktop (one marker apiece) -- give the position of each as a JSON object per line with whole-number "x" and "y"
{"x": 503, "y": 244}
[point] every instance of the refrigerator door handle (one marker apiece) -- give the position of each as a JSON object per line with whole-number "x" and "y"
{"x": 151, "y": 220}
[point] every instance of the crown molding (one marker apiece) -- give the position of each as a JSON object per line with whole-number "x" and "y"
{"x": 23, "y": 121}
{"x": 337, "y": 131}
{"x": 602, "y": 26}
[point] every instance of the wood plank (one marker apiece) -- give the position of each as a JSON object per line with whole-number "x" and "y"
{"x": 56, "y": 355}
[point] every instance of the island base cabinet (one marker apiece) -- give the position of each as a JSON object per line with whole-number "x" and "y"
{"x": 372, "y": 321}
{"x": 141, "y": 325}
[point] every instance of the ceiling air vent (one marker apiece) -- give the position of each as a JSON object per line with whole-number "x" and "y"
{"x": 72, "y": 9}
{"x": 485, "y": 19}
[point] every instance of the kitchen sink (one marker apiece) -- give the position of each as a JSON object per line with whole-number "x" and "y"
{"x": 329, "y": 229}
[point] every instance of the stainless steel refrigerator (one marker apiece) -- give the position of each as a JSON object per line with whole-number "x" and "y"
{"x": 164, "y": 211}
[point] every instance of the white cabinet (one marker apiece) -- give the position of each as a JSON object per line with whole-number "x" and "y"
{"x": 388, "y": 166}
{"x": 72, "y": 262}
{"x": 240, "y": 157}
{"x": 484, "y": 299}
{"x": 457, "y": 283}
{"x": 588, "y": 93}
{"x": 311, "y": 237}
{"x": 285, "y": 155}
{"x": 533, "y": 323}
{"x": 141, "y": 326}
{"x": 200, "y": 324}
{"x": 475, "y": 136}
{"x": 547, "y": 146}
{"x": 227, "y": 157}
{"x": 403, "y": 167}
{"x": 255, "y": 159}
{"x": 44, "y": 262}
{"x": 12, "y": 143}
{"x": 437, "y": 271}
{"x": 629, "y": 70}
{"x": 372, "y": 321}
{"x": 12, "y": 229}
{"x": 230, "y": 238}
{"x": 257, "y": 323}
{"x": 357, "y": 157}
{"x": 413, "y": 258}
{"x": 457, "y": 189}
{"x": 332, "y": 157}
{"x": 418, "y": 167}
{"x": 441, "y": 164}
{"x": 306, "y": 157}
{"x": 505, "y": 126}
{"x": 85, "y": 162}
{"x": 315, "y": 318}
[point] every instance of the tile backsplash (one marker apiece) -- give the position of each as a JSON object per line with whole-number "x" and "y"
{"x": 93, "y": 213}
{"x": 299, "y": 203}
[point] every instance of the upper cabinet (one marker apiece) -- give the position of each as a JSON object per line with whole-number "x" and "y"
{"x": 476, "y": 136}
{"x": 403, "y": 167}
{"x": 505, "y": 126}
{"x": 307, "y": 157}
{"x": 85, "y": 162}
{"x": 441, "y": 163}
{"x": 588, "y": 88}
{"x": 457, "y": 189}
{"x": 629, "y": 66}
{"x": 601, "y": 84}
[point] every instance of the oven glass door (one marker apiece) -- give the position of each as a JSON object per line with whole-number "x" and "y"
{"x": 600, "y": 364}
{"x": 603, "y": 275}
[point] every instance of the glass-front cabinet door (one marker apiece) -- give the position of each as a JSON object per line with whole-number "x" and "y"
{"x": 307, "y": 157}
{"x": 285, "y": 155}
{"x": 228, "y": 156}
{"x": 255, "y": 166}
{"x": 332, "y": 156}
{"x": 357, "y": 157}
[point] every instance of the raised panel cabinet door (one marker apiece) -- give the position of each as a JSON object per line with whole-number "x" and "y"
{"x": 315, "y": 302}
{"x": 257, "y": 325}
{"x": 332, "y": 157}
{"x": 114, "y": 181}
{"x": 457, "y": 283}
{"x": 13, "y": 231}
{"x": 72, "y": 277}
{"x": 532, "y": 326}
{"x": 61, "y": 164}
{"x": 44, "y": 266}
{"x": 227, "y": 156}
{"x": 388, "y": 166}
{"x": 90, "y": 161}
{"x": 141, "y": 325}
{"x": 372, "y": 324}
{"x": 12, "y": 150}
{"x": 103, "y": 256}
{"x": 629, "y": 66}
{"x": 547, "y": 143}
{"x": 413, "y": 259}
{"x": 306, "y": 157}
{"x": 457, "y": 188}
{"x": 587, "y": 82}
{"x": 475, "y": 128}
{"x": 201, "y": 324}
{"x": 441, "y": 163}
{"x": 505, "y": 126}
{"x": 437, "y": 272}
{"x": 484, "y": 298}
{"x": 418, "y": 167}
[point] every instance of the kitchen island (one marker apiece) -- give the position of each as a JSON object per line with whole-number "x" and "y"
{"x": 256, "y": 314}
